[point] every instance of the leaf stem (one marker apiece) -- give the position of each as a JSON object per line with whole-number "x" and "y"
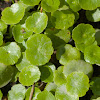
{"x": 32, "y": 91}
{"x": 41, "y": 9}
{"x": 16, "y": 1}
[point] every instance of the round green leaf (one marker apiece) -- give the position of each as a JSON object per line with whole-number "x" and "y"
{"x": 93, "y": 15}
{"x": 10, "y": 53}
{"x": 1, "y": 38}
{"x": 13, "y": 14}
{"x": 6, "y": 74}
{"x": 37, "y": 22}
{"x": 59, "y": 77}
{"x": 66, "y": 53}
{"x": 74, "y": 5}
{"x": 61, "y": 94}
{"x": 77, "y": 83}
{"x": 3, "y": 26}
{"x": 47, "y": 72}
{"x": 29, "y": 75}
{"x": 39, "y": 49}
{"x": 92, "y": 54}
{"x": 50, "y": 5}
{"x": 31, "y": 2}
{"x": 22, "y": 62}
{"x": 89, "y": 4}
{"x": 45, "y": 95}
{"x": 62, "y": 19}
{"x": 58, "y": 37}
{"x": 35, "y": 93}
{"x": 17, "y": 92}
{"x": 83, "y": 33}
{"x": 79, "y": 66}
{"x": 95, "y": 87}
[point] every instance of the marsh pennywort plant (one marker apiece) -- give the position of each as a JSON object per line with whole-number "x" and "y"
{"x": 47, "y": 52}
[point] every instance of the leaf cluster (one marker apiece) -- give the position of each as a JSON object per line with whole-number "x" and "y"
{"x": 47, "y": 53}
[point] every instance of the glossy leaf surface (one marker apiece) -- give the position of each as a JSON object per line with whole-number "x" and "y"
{"x": 62, "y": 94}
{"x": 17, "y": 92}
{"x": 50, "y": 5}
{"x": 3, "y": 26}
{"x": 22, "y": 62}
{"x": 89, "y": 4}
{"x": 82, "y": 46}
{"x": 13, "y": 14}
{"x": 51, "y": 87}
{"x": 20, "y": 33}
{"x": 31, "y": 2}
{"x": 37, "y": 22}
{"x": 39, "y": 49}
{"x": 77, "y": 83}
{"x": 58, "y": 37}
{"x": 62, "y": 19}
{"x": 47, "y": 72}
{"x": 10, "y": 53}
{"x": 59, "y": 77}
{"x": 45, "y": 95}
{"x": 94, "y": 15}
{"x": 83, "y": 33}
{"x": 74, "y": 5}
{"x": 79, "y": 66}
{"x": 92, "y": 54}
{"x": 29, "y": 75}
{"x": 66, "y": 53}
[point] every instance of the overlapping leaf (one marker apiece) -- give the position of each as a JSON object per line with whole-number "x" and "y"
{"x": 13, "y": 14}
{"x": 10, "y": 53}
{"x": 17, "y": 92}
{"x": 29, "y": 75}
{"x": 79, "y": 66}
{"x": 77, "y": 84}
{"x": 37, "y": 22}
{"x": 39, "y": 49}
{"x": 63, "y": 19}
{"x": 62, "y": 94}
{"x": 50, "y": 5}
{"x": 66, "y": 53}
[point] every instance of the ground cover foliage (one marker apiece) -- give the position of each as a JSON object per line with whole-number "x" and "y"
{"x": 49, "y": 50}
